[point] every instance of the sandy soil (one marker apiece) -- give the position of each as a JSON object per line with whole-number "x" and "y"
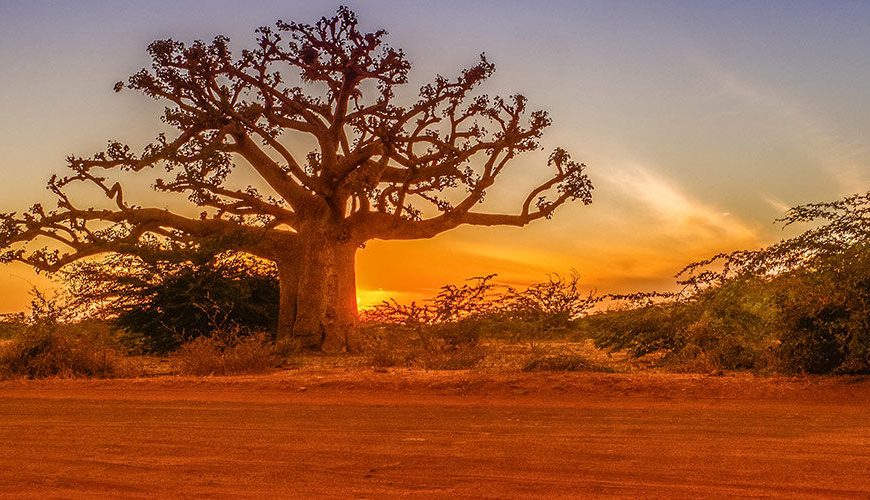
{"x": 373, "y": 434}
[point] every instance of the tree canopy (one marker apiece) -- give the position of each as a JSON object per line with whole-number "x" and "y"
{"x": 378, "y": 169}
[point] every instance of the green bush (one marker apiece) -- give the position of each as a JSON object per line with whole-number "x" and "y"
{"x": 815, "y": 344}
{"x": 799, "y": 305}
{"x": 726, "y": 327}
{"x": 190, "y": 303}
{"x": 639, "y": 330}
{"x": 11, "y": 325}
{"x": 825, "y": 321}
{"x": 161, "y": 305}
{"x": 721, "y": 347}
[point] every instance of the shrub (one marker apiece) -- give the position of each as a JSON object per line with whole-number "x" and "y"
{"x": 481, "y": 309}
{"x": 640, "y": 330}
{"x": 441, "y": 347}
{"x": 727, "y": 327}
{"x": 227, "y": 353}
{"x": 39, "y": 353}
{"x": 11, "y": 325}
{"x": 380, "y": 345}
{"x": 47, "y": 347}
{"x": 549, "y": 305}
{"x": 814, "y": 345}
{"x": 821, "y": 284}
{"x": 727, "y": 333}
{"x": 160, "y": 304}
{"x": 450, "y": 346}
{"x": 824, "y": 315}
{"x": 441, "y": 335}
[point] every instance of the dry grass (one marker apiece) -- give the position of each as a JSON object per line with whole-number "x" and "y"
{"x": 389, "y": 346}
{"x": 66, "y": 351}
{"x": 386, "y": 347}
{"x": 428, "y": 358}
{"x": 226, "y": 354}
{"x": 564, "y": 363}
{"x": 74, "y": 351}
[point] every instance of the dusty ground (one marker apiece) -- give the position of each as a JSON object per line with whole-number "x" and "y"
{"x": 371, "y": 434}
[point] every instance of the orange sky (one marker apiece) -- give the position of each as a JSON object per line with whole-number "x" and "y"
{"x": 700, "y": 122}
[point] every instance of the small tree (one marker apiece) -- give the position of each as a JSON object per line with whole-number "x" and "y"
{"x": 378, "y": 170}
{"x": 810, "y": 292}
{"x": 838, "y": 228}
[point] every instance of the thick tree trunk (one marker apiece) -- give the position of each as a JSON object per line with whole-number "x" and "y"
{"x": 288, "y": 286}
{"x": 322, "y": 306}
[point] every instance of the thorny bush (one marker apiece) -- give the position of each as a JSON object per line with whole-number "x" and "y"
{"x": 50, "y": 344}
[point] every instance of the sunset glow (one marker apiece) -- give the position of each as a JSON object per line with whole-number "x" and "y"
{"x": 700, "y": 123}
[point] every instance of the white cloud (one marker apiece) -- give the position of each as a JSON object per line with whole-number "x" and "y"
{"x": 775, "y": 203}
{"x": 674, "y": 213}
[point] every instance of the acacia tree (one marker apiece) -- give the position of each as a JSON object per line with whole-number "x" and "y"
{"x": 378, "y": 169}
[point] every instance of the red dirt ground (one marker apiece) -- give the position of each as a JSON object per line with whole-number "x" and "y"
{"x": 364, "y": 433}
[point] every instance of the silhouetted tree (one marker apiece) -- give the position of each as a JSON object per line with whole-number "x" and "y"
{"x": 378, "y": 170}
{"x": 839, "y": 227}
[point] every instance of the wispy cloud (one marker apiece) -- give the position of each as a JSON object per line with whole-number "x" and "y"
{"x": 674, "y": 213}
{"x": 775, "y": 203}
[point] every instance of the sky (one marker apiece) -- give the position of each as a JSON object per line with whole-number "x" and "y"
{"x": 701, "y": 122}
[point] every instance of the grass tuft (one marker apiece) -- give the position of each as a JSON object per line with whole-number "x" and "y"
{"x": 227, "y": 353}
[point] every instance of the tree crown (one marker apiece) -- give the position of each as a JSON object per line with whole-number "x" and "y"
{"x": 379, "y": 169}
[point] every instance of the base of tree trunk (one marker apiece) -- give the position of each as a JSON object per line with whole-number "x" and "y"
{"x": 318, "y": 295}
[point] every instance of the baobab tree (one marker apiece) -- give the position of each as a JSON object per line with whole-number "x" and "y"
{"x": 378, "y": 169}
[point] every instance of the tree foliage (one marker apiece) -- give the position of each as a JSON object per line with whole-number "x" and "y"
{"x": 374, "y": 157}
{"x": 379, "y": 169}
{"x": 799, "y": 305}
{"x": 838, "y": 228}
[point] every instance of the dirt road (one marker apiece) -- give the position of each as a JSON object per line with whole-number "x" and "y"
{"x": 440, "y": 434}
